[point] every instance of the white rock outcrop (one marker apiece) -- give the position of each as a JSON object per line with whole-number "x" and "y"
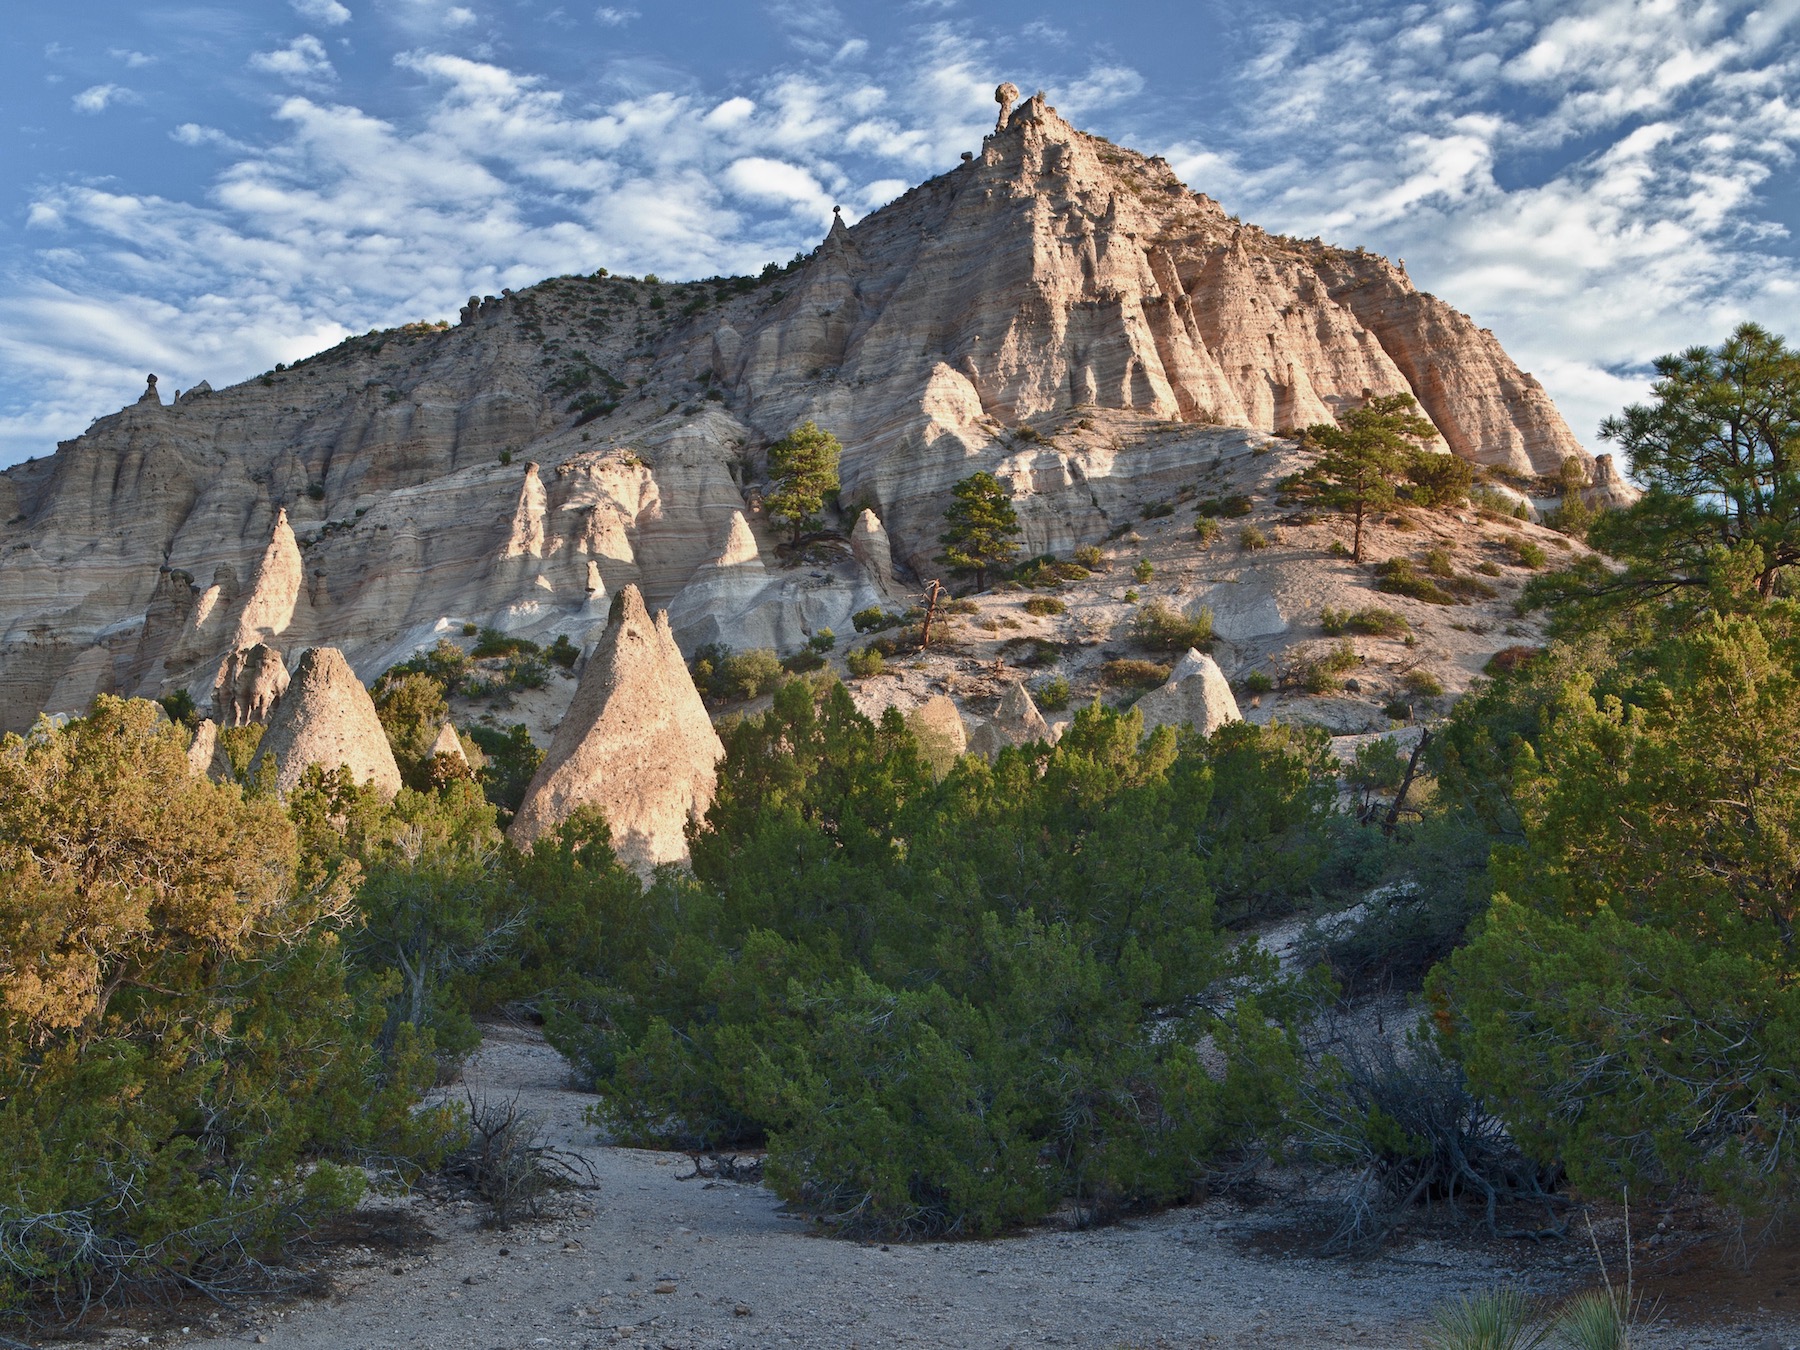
{"x": 447, "y": 745}
{"x": 636, "y": 742}
{"x": 1196, "y": 694}
{"x": 1016, "y": 721}
{"x": 327, "y": 718}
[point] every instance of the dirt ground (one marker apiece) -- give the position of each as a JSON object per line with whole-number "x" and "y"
{"x": 657, "y": 1257}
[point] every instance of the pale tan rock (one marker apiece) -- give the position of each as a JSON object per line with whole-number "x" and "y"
{"x": 636, "y": 742}
{"x": 447, "y": 744}
{"x": 1016, "y": 721}
{"x": 1196, "y": 694}
{"x": 204, "y": 748}
{"x": 327, "y": 718}
{"x": 870, "y": 544}
{"x": 939, "y": 729}
{"x": 1608, "y": 489}
{"x": 268, "y": 608}
{"x": 250, "y": 683}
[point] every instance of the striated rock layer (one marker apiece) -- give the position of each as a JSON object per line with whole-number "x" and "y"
{"x": 1048, "y": 311}
{"x": 636, "y": 742}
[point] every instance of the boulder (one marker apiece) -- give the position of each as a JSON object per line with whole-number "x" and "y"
{"x": 636, "y": 742}
{"x": 1196, "y": 694}
{"x": 327, "y": 718}
{"x": 250, "y": 683}
{"x": 1017, "y": 721}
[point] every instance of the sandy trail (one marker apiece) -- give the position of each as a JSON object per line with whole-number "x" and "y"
{"x": 651, "y": 1259}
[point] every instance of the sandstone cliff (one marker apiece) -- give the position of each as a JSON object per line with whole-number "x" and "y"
{"x": 636, "y": 742}
{"x": 1058, "y": 310}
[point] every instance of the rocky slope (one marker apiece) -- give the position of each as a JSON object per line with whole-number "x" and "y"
{"x": 1057, "y": 309}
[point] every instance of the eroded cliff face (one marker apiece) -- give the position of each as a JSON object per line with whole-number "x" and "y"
{"x": 1057, "y": 310}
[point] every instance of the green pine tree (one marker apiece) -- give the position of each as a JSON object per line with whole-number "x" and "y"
{"x": 1362, "y": 458}
{"x": 983, "y": 531}
{"x": 804, "y": 467}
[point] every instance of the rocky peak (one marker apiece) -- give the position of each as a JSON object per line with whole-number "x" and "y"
{"x": 327, "y": 718}
{"x": 636, "y": 742}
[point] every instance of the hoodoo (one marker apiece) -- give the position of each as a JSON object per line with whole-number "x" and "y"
{"x": 636, "y": 743}
{"x": 327, "y": 718}
{"x": 1196, "y": 694}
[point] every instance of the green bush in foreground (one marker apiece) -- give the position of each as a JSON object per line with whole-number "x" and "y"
{"x": 184, "y": 1063}
{"x": 954, "y": 1006}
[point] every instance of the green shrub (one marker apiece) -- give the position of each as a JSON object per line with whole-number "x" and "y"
{"x": 1130, "y": 674}
{"x": 512, "y": 761}
{"x": 469, "y": 630}
{"x": 1090, "y": 557}
{"x": 1398, "y": 576}
{"x": 1052, "y": 695}
{"x": 873, "y": 619}
{"x": 180, "y": 709}
{"x": 562, "y": 652}
{"x": 1438, "y": 562}
{"x": 823, "y": 640}
{"x": 726, "y": 676}
{"x": 1528, "y": 553}
{"x": 492, "y": 642}
{"x": 1157, "y": 510}
{"x": 1206, "y": 529}
{"x": 865, "y": 663}
{"x": 1370, "y": 621}
{"x": 1257, "y": 682}
{"x": 803, "y": 662}
{"x": 1131, "y": 597}
{"x": 1160, "y": 628}
{"x": 186, "y": 1065}
{"x": 1252, "y": 540}
{"x": 1045, "y": 1062}
{"x": 1235, "y": 505}
{"x": 1323, "y": 672}
{"x": 1424, "y": 684}
{"x": 1045, "y": 605}
{"x": 1143, "y": 571}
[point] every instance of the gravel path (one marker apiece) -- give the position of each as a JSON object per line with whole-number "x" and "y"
{"x": 652, "y": 1259}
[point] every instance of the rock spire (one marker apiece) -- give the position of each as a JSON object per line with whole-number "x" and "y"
{"x": 636, "y": 742}
{"x": 1196, "y": 694}
{"x": 327, "y": 718}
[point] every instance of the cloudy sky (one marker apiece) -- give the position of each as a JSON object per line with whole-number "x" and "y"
{"x": 205, "y": 189}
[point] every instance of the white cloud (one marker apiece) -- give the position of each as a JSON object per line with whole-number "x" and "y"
{"x": 133, "y": 60}
{"x": 615, "y": 18}
{"x": 100, "y": 97}
{"x": 302, "y": 62}
{"x": 458, "y": 16}
{"x": 323, "y": 11}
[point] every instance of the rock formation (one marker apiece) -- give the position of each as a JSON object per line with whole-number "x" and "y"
{"x": 1607, "y": 488}
{"x": 636, "y": 742}
{"x": 447, "y": 745}
{"x": 1057, "y": 310}
{"x": 327, "y": 718}
{"x": 1017, "y": 721}
{"x": 204, "y": 748}
{"x": 1196, "y": 694}
{"x": 250, "y": 683}
{"x": 938, "y": 727}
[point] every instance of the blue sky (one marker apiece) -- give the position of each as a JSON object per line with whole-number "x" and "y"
{"x": 205, "y": 189}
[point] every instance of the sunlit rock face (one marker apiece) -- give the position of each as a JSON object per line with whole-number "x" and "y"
{"x": 1057, "y": 310}
{"x": 636, "y": 743}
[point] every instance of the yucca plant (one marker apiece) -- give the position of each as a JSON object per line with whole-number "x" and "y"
{"x": 1495, "y": 1319}
{"x": 1597, "y": 1320}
